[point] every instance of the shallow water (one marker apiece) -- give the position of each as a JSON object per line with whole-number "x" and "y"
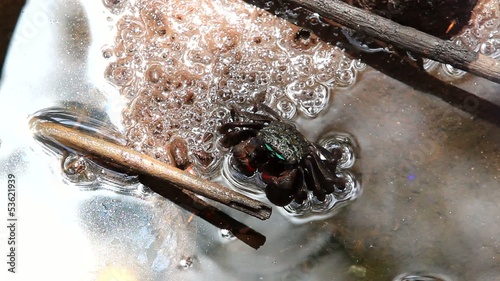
{"x": 429, "y": 171}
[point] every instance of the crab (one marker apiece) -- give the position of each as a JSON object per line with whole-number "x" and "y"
{"x": 288, "y": 163}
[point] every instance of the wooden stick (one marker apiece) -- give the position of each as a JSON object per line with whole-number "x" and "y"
{"x": 190, "y": 202}
{"x": 136, "y": 162}
{"x": 403, "y": 37}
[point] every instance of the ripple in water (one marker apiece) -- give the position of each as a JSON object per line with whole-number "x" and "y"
{"x": 311, "y": 208}
{"x": 79, "y": 170}
{"x": 420, "y": 277}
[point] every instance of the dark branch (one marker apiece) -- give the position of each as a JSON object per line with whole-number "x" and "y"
{"x": 403, "y": 37}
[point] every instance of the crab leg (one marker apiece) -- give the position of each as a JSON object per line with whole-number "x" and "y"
{"x": 326, "y": 174}
{"x": 332, "y": 157}
{"x": 192, "y": 203}
{"x": 281, "y": 189}
{"x": 236, "y": 111}
{"x": 312, "y": 179}
{"x": 225, "y": 128}
{"x": 301, "y": 193}
{"x": 233, "y": 138}
{"x": 268, "y": 110}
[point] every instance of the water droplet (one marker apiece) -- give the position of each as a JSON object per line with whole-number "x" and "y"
{"x": 76, "y": 169}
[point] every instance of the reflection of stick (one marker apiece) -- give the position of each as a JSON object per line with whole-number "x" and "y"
{"x": 403, "y": 37}
{"x": 190, "y": 202}
{"x": 139, "y": 163}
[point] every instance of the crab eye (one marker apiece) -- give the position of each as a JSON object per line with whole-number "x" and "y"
{"x": 274, "y": 152}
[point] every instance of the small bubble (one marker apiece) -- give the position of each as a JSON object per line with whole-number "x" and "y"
{"x": 154, "y": 73}
{"x": 345, "y": 78}
{"x": 186, "y": 262}
{"x": 107, "y": 53}
{"x": 311, "y": 100}
{"x": 119, "y": 73}
{"x": 76, "y": 169}
{"x": 286, "y": 108}
{"x": 226, "y": 234}
{"x": 115, "y": 6}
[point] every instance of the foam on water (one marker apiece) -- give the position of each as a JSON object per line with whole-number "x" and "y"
{"x": 182, "y": 63}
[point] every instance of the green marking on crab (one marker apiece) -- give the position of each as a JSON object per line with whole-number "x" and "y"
{"x": 285, "y": 147}
{"x": 273, "y": 152}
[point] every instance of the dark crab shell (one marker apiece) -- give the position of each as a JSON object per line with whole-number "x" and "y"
{"x": 288, "y": 146}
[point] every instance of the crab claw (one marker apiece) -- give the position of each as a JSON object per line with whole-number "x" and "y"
{"x": 248, "y": 156}
{"x": 233, "y": 138}
{"x": 280, "y": 190}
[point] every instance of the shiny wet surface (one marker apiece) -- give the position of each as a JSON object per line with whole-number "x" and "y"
{"x": 430, "y": 174}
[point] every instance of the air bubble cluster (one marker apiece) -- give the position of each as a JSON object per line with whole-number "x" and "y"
{"x": 481, "y": 35}
{"x": 181, "y": 64}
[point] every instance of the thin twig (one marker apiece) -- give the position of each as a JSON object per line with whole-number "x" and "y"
{"x": 403, "y": 37}
{"x": 135, "y": 162}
